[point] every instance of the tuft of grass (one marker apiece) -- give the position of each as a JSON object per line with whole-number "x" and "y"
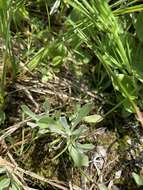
{"x": 100, "y": 30}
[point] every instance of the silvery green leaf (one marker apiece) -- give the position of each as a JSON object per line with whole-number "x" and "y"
{"x": 93, "y": 118}
{"x": 64, "y": 123}
{"x": 83, "y": 111}
{"x": 85, "y": 147}
{"x": 80, "y": 159}
{"x": 56, "y": 129}
{"x": 45, "y": 121}
{"x": 81, "y": 130}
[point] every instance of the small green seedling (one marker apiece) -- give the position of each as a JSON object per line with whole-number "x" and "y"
{"x": 69, "y": 133}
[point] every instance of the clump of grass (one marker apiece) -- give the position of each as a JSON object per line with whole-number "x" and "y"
{"x": 8, "y": 65}
{"x": 103, "y": 34}
{"x": 5, "y": 24}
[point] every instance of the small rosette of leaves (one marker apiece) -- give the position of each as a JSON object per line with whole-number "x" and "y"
{"x": 70, "y": 133}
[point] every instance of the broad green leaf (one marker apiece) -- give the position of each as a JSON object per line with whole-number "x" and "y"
{"x": 139, "y": 26}
{"x": 56, "y": 129}
{"x": 80, "y": 159}
{"x": 138, "y": 179}
{"x": 48, "y": 123}
{"x": 85, "y": 147}
{"x": 45, "y": 121}
{"x": 29, "y": 112}
{"x": 81, "y": 130}
{"x": 4, "y": 182}
{"x": 84, "y": 111}
{"x": 93, "y": 118}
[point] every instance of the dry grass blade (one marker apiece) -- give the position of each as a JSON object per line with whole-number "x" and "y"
{"x": 13, "y": 128}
